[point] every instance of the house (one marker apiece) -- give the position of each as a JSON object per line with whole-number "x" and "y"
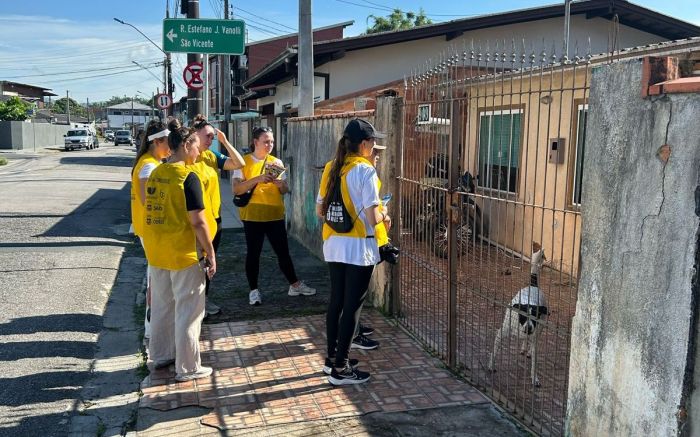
{"x": 257, "y": 55}
{"x": 129, "y": 114}
{"x": 368, "y": 63}
{"x": 30, "y": 93}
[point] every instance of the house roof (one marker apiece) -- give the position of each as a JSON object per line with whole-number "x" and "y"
{"x": 127, "y": 105}
{"x": 46, "y": 91}
{"x": 629, "y": 14}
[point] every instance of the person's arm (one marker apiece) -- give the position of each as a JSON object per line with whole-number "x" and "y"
{"x": 145, "y": 172}
{"x": 240, "y": 186}
{"x": 235, "y": 160}
{"x": 371, "y": 202}
{"x": 281, "y": 185}
{"x": 142, "y": 190}
{"x": 201, "y": 231}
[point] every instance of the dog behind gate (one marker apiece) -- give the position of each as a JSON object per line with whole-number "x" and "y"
{"x": 524, "y": 316}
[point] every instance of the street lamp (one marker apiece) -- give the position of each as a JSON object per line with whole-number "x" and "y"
{"x": 167, "y": 72}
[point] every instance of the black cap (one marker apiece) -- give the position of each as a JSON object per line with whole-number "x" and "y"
{"x": 358, "y": 130}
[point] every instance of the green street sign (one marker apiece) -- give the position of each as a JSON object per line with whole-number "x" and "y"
{"x": 194, "y": 35}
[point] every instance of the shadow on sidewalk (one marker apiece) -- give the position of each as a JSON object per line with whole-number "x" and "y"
{"x": 229, "y": 289}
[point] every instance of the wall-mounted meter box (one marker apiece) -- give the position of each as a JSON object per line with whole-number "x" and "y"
{"x": 556, "y": 150}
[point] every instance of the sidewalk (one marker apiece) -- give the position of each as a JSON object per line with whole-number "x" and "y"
{"x": 267, "y": 376}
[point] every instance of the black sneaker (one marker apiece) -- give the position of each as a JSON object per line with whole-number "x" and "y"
{"x": 365, "y": 330}
{"x": 362, "y": 342}
{"x": 347, "y": 376}
{"x": 328, "y": 365}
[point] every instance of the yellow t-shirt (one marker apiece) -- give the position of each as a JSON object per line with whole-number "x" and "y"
{"x": 168, "y": 238}
{"x": 137, "y": 207}
{"x": 266, "y": 204}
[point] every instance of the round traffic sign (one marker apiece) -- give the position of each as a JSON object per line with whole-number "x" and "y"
{"x": 193, "y": 76}
{"x": 163, "y": 101}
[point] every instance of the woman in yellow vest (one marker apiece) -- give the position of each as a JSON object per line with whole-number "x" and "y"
{"x": 351, "y": 256}
{"x": 176, "y": 230}
{"x": 208, "y": 162}
{"x": 152, "y": 151}
{"x": 264, "y": 213}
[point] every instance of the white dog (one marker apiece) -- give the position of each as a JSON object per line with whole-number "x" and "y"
{"x": 527, "y": 309}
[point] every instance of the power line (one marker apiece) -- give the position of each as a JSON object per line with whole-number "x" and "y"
{"x": 377, "y": 6}
{"x": 96, "y": 75}
{"x": 277, "y": 29}
{"x": 260, "y": 29}
{"x": 265, "y": 18}
{"x": 43, "y": 59}
{"x": 71, "y": 72}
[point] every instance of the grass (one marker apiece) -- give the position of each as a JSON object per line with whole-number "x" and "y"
{"x": 3, "y": 161}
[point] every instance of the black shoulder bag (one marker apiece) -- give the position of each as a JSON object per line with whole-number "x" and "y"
{"x": 241, "y": 200}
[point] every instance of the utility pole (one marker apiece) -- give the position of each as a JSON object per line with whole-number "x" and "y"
{"x": 567, "y": 26}
{"x": 306, "y": 61}
{"x": 227, "y": 81}
{"x": 194, "y": 97}
{"x": 87, "y": 99}
{"x": 68, "y": 107}
{"x": 168, "y": 70}
{"x": 133, "y": 131}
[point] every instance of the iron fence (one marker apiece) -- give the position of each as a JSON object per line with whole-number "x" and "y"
{"x": 491, "y": 167}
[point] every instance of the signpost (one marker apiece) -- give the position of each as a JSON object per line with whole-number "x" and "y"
{"x": 192, "y": 75}
{"x": 219, "y": 37}
{"x": 163, "y": 101}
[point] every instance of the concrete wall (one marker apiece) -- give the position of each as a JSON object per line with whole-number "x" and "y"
{"x": 20, "y": 135}
{"x": 631, "y": 335}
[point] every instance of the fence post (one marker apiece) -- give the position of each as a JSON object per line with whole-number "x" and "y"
{"x": 452, "y": 219}
{"x": 397, "y": 116}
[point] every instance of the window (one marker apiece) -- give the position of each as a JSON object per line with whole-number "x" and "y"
{"x": 117, "y": 113}
{"x": 499, "y": 149}
{"x": 579, "y": 152}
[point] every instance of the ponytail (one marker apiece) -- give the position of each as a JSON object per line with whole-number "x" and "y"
{"x": 345, "y": 148}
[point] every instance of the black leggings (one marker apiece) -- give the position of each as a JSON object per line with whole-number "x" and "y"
{"x": 215, "y": 242}
{"x": 255, "y": 237}
{"x": 348, "y": 291}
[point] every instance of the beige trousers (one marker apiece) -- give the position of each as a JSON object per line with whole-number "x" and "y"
{"x": 177, "y": 310}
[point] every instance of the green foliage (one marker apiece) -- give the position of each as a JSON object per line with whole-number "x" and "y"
{"x": 14, "y": 109}
{"x": 60, "y": 106}
{"x": 398, "y": 20}
{"x": 3, "y": 161}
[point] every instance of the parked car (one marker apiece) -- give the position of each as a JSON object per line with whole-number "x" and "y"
{"x": 109, "y": 135}
{"x": 123, "y": 137}
{"x": 79, "y": 139}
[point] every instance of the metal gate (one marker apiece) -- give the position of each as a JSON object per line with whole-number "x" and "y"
{"x": 492, "y": 153}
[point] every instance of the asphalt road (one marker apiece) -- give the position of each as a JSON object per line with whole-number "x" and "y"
{"x": 63, "y": 217}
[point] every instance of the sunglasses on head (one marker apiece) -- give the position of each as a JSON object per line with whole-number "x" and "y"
{"x": 259, "y": 130}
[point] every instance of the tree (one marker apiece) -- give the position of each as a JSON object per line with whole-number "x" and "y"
{"x": 60, "y": 107}
{"x": 14, "y": 109}
{"x": 398, "y": 20}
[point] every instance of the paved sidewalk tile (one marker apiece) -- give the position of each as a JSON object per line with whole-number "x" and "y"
{"x": 268, "y": 372}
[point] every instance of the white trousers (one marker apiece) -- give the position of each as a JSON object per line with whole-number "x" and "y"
{"x": 177, "y": 310}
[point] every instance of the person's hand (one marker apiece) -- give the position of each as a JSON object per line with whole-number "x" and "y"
{"x": 280, "y": 183}
{"x": 210, "y": 265}
{"x": 264, "y": 178}
{"x": 387, "y": 222}
{"x": 220, "y": 136}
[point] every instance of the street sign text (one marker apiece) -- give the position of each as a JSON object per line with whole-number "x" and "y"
{"x": 191, "y": 35}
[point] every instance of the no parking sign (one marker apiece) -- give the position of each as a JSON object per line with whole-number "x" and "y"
{"x": 193, "y": 76}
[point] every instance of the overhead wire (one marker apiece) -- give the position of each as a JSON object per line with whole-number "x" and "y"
{"x": 265, "y": 18}
{"x": 274, "y": 28}
{"x": 95, "y": 76}
{"x": 76, "y": 71}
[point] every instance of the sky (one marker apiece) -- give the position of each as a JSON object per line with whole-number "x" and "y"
{"x": 76, "y": 45}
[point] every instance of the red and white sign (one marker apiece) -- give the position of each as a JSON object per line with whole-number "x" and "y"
{"x": 193, "y": 76}
{"x": 163, "y": 101}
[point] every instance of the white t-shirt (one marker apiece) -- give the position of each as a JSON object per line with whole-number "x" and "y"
{"x": 146, "y": 170}
{"x": 362, "y": 184}
{"x": 238, "y": 174}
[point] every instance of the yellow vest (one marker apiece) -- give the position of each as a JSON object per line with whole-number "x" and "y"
{"x": 380, "y": 232}
{"x": 168, "y": 238}
{"x": 138, "y": 211}
{"x": 358, "y": 229}
{"x": 210, "y": 179}
{"x": 266, "y": 203}
{"x": 210, "y": 192}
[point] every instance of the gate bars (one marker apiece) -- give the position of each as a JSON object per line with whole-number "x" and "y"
{"x": 491, "y": 162}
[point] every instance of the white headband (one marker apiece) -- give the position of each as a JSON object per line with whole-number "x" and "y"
{"x": 161, "y": 134}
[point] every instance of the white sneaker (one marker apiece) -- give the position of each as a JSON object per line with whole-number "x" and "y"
{"x": 147, "y": 324}
{"x": 302, "y": 288}
{"x": 203, "y": 372}
{"x": 211, "y": 308}
{"x": 254, "y": 297}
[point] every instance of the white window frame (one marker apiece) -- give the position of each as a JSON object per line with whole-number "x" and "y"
{"x": 579, "y": 108}
{"x": 483, "y": 178}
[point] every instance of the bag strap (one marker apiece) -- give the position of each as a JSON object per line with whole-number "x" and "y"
{"x": 341, "y": 199}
